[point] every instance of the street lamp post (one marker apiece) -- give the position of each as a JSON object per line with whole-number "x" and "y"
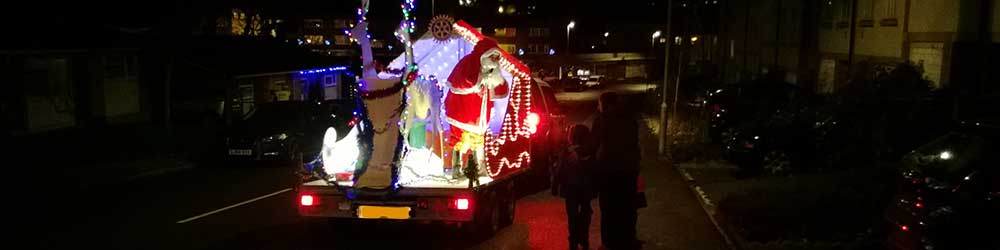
{"x": 666, "y": 80}
{"x": 652, "y": 42}
{"x": 568, "y": 28}
{"x": 652, "y": 49}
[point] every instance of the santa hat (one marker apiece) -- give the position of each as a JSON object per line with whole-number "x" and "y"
{"x": 466, "y": 72}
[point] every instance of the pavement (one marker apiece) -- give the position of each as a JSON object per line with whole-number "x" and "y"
{"x": 251, "y": 207}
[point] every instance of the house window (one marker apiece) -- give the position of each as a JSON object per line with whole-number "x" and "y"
{"x": 845, "y": 10}
{"x": 341, "y": 23}
{"x": 341, "y": 40}
{"x": 329, "y": 81}
{"x": 890, "y": 8}
{"x": 238, "y": 22}
{"x": 314, "y": 39}
{"x": 865, "y": 9}
{"x": 120, "y": 67}
{"x": 538, "y": 32}
{"x": 537, "y": 48}
{"x": 505, "y": 32}
{"x": 466, "y": 3}
{"x": 890, "y": 14}
{"x": 508, "y": 47}
{"x": 313, "y": 23}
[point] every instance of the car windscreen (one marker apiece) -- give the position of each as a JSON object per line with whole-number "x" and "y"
{"x": 951, "y": 156}
{"x": 272, "y": 115}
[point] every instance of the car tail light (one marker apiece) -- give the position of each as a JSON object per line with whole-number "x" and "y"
{"x": 307, "y": 200}
{"x": 532, "y": 121}
{"x": 904, "y": 228}
{"x": 461, "y": 204}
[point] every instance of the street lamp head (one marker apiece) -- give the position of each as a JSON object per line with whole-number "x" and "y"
{"x": 606, "y": 34}
{"x": 571, "y": 25}
{"x": 656, "y": 34}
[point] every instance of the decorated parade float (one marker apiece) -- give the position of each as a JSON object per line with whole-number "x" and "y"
{"x": 439, "y": 134}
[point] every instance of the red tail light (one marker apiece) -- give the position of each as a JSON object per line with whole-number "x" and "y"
{"x": 532, "y": 121}
{"x": 904, "y": 228}
{"x": 461, "y": 204}
{"x": 307, "y": 200}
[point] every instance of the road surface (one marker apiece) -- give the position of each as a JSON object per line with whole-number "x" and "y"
{"x": 254, "y": 208}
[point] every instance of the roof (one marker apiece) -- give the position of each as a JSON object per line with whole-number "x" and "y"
{"x": 437, "y": 58}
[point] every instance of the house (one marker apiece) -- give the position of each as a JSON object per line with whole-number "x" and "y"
{"x": 315, "y": 85}
{"x": 944, "y": 37}
{"x": 77, "y": 85}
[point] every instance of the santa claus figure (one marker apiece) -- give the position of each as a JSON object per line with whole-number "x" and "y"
{"x": 473, "y": 84}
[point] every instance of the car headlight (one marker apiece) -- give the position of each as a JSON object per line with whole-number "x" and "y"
{"x": 340, "y": 156}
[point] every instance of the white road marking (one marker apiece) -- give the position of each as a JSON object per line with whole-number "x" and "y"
{"x": 233, "y": 206}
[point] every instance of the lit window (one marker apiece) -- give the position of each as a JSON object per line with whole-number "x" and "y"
{"x": 466, "y": 3}
{"x": 505, "y": 32}
{"x": 508, "y": 47}
{"x": 238, "y": 21}
{"x": 314, "y": 39}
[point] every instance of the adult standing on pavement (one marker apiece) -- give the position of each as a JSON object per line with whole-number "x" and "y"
{"x": 616, "y": 134}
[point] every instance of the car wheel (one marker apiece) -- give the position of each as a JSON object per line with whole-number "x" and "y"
{"x": 777, "y": 162}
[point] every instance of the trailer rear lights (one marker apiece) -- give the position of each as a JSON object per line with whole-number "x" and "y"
{"x": 461, "y": 204}
{"x": 307, "y": 200}
{"x": 531, "y": 121}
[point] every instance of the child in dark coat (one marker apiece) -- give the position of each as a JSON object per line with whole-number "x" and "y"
{"x": 572, "y": 179}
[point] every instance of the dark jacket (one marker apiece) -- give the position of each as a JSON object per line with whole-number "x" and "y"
{"x": 573, "y": 173}
{"x": 616, "y": 135}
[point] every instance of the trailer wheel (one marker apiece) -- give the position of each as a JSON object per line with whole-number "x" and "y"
{"x": 486, "y": 221}
{"x": 508, "y": 207}
{"x": 493, "y": 215}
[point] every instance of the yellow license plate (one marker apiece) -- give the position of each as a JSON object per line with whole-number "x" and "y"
{"x": 377, "y": 212}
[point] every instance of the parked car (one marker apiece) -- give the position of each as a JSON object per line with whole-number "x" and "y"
{"x": 765, "y": 126}
{"x": 268, "y": 133}
{"x": 949, "y": 192}
{"x": 720, "y": 101}
{"x": 550, "y": 136}
{"x": 580, "y": 79}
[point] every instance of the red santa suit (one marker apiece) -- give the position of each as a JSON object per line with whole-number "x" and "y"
{"x": 473, "y": 74}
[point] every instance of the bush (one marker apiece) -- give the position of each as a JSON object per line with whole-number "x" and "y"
{"x": 886, "y": 105}
{"x": 828, "y": 207}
